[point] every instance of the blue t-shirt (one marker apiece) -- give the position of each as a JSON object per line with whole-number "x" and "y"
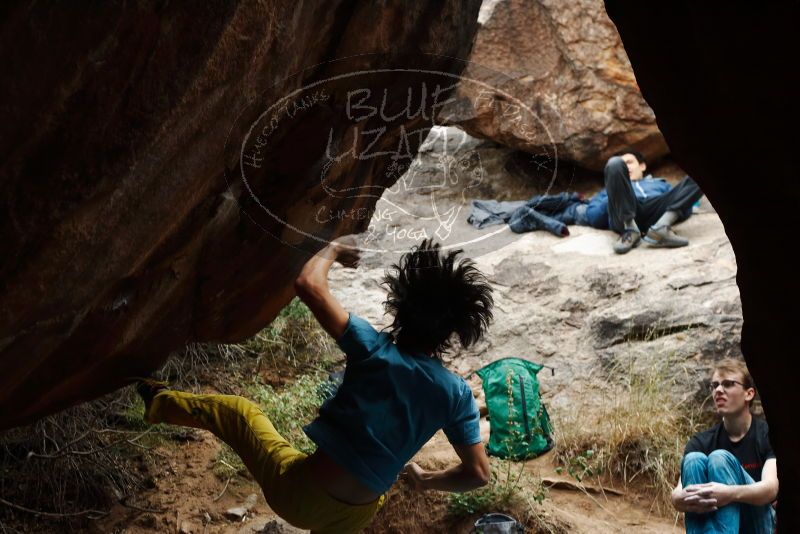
{"x": 388, "y": 406}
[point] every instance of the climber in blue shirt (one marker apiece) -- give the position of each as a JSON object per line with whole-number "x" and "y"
{"x": 396, "y": 391}
{"x": 395, "y": 395}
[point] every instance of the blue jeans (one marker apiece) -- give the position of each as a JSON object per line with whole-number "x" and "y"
{"x": 723, "y": 467}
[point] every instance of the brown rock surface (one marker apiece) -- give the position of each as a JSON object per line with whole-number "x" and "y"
{"x": 125, "y": 227}
{"x": 565, "y": 63}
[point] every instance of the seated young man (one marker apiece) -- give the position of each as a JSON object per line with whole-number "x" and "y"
{"x": 395, "y": 395}
{"x": 633, "y": 203}
{"x": 729, "y": 474}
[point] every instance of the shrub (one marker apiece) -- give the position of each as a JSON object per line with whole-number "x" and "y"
{"x": 292, "y": 407}
{"x": 635, "y": 432}
{"x": 294, "y": 336}
{"x": 509, "y": 486}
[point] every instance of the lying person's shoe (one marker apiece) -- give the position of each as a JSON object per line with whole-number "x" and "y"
{"x": 628, "y": 239}
{"x": 664, "y": 237}
{"x": 147, "y": 388}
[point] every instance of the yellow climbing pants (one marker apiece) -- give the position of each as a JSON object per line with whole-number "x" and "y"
{"x": 279, "y": 468}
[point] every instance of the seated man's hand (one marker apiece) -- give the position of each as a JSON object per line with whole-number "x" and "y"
{"x": 413, "y": 475}
{"x": 690, "y": 499}
{"x": 723, "y": 494}
{"x": 346, "y": 251}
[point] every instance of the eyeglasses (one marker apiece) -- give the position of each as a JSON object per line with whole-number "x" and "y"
{"x": 726, "y": 384}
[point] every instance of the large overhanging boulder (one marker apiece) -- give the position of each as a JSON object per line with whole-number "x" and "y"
{"x": 128, "y": 225}
{"x": 122, "y": 240}
{"x": 573, "y": 92}
{"x": 723, "y": 82}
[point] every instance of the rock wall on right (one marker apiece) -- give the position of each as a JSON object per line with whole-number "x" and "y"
{"x": 723, "y": 86}
{"x": 552, "y": 78}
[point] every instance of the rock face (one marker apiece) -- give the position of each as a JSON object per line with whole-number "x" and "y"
{"x": 121, "y": 239}
{"x": 128, "y": 225}
{"x": 571, "y": 303}
{"x": 707, "y": 85}
{"x": 569, "y": 89}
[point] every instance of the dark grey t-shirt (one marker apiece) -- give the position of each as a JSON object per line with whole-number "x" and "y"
{"x": 752, "y": 450}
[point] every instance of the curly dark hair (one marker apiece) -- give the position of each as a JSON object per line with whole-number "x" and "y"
{"x": 636, "y": 154}
{"x": 432, "y": 297}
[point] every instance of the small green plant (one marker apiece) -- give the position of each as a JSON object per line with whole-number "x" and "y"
{"x": 519, "y": 441}
{"x": 292, "y": 407}
{"x": 513, "y": 422}
{"x": 289, "y": 409}
{"x": 580, "y": 466}
{"x": 508, "y": 485}
{"x": 132, "y": 414}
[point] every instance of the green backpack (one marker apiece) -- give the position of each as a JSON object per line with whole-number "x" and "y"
{"x": 520, "y": 426}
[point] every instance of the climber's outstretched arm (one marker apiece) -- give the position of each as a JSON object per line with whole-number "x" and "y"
{"x": 473, "y": 472}
{"x": 311, "y": 285}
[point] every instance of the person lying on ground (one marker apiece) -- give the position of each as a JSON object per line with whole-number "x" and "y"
{"x": 396, "y": 393}
{"x": 631, "y": 203}
{"x": 729, "y": 474}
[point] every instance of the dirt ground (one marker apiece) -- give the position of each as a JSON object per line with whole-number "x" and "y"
{"x": 187, "y": 497}
{"x": 184, "y": 493}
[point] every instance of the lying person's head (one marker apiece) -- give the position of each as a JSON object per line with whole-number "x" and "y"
{"x": 732, "y": 387}
{"x": 635, "y": 162}
{"x": 435, "y": 298}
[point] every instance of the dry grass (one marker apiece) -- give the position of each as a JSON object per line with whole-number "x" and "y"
{"x": 72, "y": 466}
{"x": 635, "y": 434}
{"x": 76, "y": 464}
{"x": 295, "y": 338}
{"x": 293, "y": 344}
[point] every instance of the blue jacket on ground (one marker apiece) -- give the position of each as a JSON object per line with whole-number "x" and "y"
{"x": 597, "y": 209}
{"x": 542, "y": 212}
